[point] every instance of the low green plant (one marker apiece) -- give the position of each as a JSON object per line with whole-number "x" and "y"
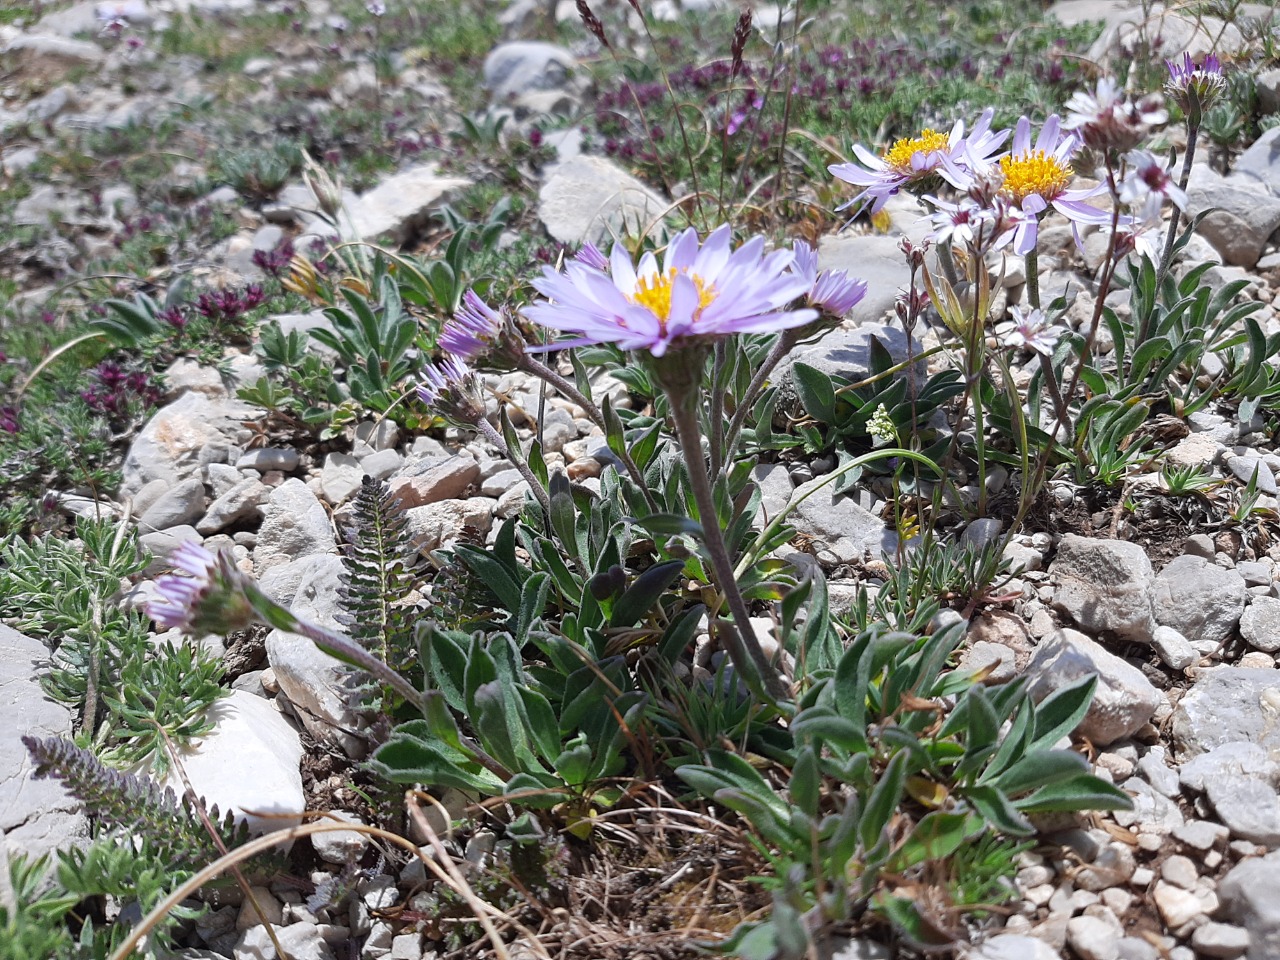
{"x": 878, "y": 727}
{"x": 384, "y": 571}
{"x": 127, "y": 694}
{"x": 258, "y": 173}
{"x": 146, "y": 841}
{"x": 1186, "y": 480}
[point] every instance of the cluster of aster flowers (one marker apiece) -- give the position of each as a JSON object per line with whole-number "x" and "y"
{"x": 922, "y": 159}
{"x": 999, "y": 198}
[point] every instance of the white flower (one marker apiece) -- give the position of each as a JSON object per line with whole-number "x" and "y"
{"x": 1032, "y": 331}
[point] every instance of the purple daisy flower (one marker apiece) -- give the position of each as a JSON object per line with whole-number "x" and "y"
{"x": 832, "y": 291}
{"x": 209, "y": 599}
{"x": 1194, "y": 86}
{"x": 1147, "y": 177}
{"x": 473, "y": 329}
{"x": 911, "y": 159}
{"x": 1035, "y": 177}
{"x": 591, "y": 256}
{"x": 438, "y": 380}
{"x": 1106, "y": 119}
{"x": 701, "y": 290}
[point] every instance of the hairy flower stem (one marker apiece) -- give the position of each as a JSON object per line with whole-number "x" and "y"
{"x": 486, "y": 430}
{"x": 717, "y": 408}
{"x": 1166, "y": 256}
{"x": 786, "y": 341}
{"x": 1031, "y": 264}
{"x": 349, "y": 652}
{"x": 1104, "y": 287}
{"x": 539, "y": 369}
{"x": 742, "y": 646}
{"x": 1055, "y": 393}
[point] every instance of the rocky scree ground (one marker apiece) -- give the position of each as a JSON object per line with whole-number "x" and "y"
{"x": 1172, "y": 607}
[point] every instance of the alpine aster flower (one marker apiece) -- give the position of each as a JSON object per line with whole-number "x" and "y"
{"x": 1194, "y": 87}
{"x": 473, "y": 329}
{"x": 591, "y": 256}
{"x": 439, "y": 380}
{"x": 1032, "y": 331}
{"x": 210, "y": 599}
{"x": 1036, "y": 177}
{"x": 1107, "y": 120}
{"x": 701, "y": 290}
{"x": 912, "y": 159}
{"x": 833, "y": 292}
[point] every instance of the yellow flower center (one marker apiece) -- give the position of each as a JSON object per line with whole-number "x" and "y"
{"x": 654, "y": 294}
{"x": 1035, "y": 172}
{"x": 899, "y": 155}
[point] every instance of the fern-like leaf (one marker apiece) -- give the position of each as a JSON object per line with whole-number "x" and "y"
{"x": 384, "y": 572}
{"x": 124, "y": 801}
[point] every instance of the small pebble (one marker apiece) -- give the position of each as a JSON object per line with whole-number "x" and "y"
{"x": 1223, "y": 940}
{"x": 1180, "y": 871}
{"x": 1177, "y": 906}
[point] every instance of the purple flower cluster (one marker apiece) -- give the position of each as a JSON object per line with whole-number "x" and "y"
{"x": 276, "y": 261}
{"x": 228, "y": 306}
{"x": 116, "y": 390}
{"x": 9, "y": 419}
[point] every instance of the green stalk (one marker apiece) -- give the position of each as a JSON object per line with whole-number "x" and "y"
{"x": 351, "y": 653}
{"x": 1031, "y": 263}
{"x": 744, "y": 649}
{"x": 567, "y": 389}
{"x": 1193, "y": 134}
{"x": 486, "y": 429}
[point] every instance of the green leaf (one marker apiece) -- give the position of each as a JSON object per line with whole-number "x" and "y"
{"x": 680, "y": 633}
{"x": 937, "y": 836}
{"x": 883, "y": 802}
{"x": 539, "y": 794}
{"x": 408, "y": 758}
{"x": 573, "y": 763}
{"x": 564, "y": 515}
{"x": 816, "y": 392}
{"x": 998, "y": 811}
{"x": 644, "y": 592}
{"x": 533, "y": 600}
{"x": 670, "y": 525}
{"x": 1082, "y": 792}
{"x": 500, "y": 733}
{"x": 806, "y": 783}
{"x": 492, "y": 573}
{"x": 1040, "y": 769}
{"x": 828, "y": 727}
{"x": 1058, "y": 714}
{"x": 544, "y": 729}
